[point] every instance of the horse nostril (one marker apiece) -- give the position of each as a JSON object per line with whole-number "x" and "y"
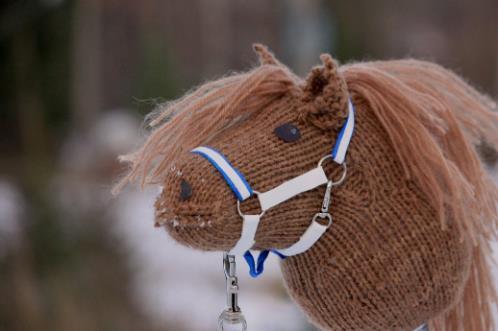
{"x": 185, "y": 190}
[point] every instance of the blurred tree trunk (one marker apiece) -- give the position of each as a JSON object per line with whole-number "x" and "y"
{"x": 86, "y": 85}
{"x": 29, "y": 105}
{"x": 477, "y": 42}
{"x": 458, "y": 34}
{"x": 308, "y": 32}
{"x": 215, "y": 35}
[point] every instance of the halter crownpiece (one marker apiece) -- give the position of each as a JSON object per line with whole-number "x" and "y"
{"x": 285, "y": 191}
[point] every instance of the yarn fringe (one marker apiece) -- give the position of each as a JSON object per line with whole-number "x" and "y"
{"x": 432, "y": 117}
{"x": 434, "y": 121}
{"x": 197, "y": 117}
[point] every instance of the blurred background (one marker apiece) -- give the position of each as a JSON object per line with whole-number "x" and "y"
{"x": 77, "y": 79}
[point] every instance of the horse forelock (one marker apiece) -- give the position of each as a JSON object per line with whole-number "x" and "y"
{"x": 200, "y": 115}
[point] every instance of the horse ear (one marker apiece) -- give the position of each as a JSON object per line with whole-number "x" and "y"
{"x": 325, "y": 96}
{"x": 264, "y": 55}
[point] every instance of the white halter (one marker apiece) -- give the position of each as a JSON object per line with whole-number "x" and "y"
{"x": 285, "y": 191}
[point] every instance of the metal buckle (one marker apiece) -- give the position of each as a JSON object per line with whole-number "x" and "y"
{"x": 344, "y": 171}
{"x": 323, "y": 216}
{"x": 255, "y": 193}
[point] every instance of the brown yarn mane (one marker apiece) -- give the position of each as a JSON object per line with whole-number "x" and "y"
{"x": 194, "y": 119}
{"x": 432, "y": 117}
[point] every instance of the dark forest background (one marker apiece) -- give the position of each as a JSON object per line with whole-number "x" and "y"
{"x": 76, "y": 79}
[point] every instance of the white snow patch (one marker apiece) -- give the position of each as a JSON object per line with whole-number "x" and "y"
{"x": 173, "y": 282}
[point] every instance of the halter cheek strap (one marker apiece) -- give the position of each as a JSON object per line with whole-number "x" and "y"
{"x": 292, "y": 187}
{"x": 285, "y": 191}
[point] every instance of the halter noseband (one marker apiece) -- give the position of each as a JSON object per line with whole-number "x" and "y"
{"x": 285, "y": 191}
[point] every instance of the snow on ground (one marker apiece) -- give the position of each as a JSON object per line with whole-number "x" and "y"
{"x": 175, "y": 283}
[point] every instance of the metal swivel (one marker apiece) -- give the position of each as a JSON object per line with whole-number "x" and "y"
{"x": 231, "y": 319}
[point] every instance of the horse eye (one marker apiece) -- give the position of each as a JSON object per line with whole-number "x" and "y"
{"x": 288, "y": 132}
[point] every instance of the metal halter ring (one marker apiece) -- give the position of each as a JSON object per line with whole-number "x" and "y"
{"x": 323, "y": 216}
{"x": 344, "y": 170}
{"x": 256, "y": 193}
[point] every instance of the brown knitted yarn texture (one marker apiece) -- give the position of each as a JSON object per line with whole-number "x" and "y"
{"x": 411, "y": 222}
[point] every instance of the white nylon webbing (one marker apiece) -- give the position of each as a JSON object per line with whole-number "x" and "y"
{"x": 249, "y": 227}
{"x": 345, "y": 135}
{"x": 234, "y": 179}
{"x": 308, "y": 239}
{"x": 292, "y": 187}
{"x": 281, "y": 193}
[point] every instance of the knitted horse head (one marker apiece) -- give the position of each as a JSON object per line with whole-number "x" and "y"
{"x": 408, "y": 243}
